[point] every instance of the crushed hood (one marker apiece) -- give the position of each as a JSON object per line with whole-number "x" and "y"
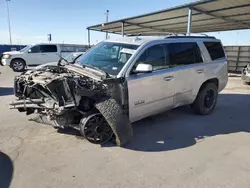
{"x": 92, "y": 73}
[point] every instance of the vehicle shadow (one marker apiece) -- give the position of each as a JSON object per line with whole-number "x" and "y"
{"x": 67, "y": 131}
{"x": 70, "y": 131}
{"x": 6, "y": 91}
{"x": 6, "y": 170}
{"x": 182, "y": 128}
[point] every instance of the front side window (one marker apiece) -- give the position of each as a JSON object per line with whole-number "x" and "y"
{"x": 154, "y": 56}
{"x": 215, "y": 50}
{"x": 108, "y": 56}
{"x": 48, "y": 48}
{"x": 183, "y": 54}
{"x": 34, "y": 49}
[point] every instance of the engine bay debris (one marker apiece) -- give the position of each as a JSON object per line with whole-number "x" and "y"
{"x": 72, "y": 96}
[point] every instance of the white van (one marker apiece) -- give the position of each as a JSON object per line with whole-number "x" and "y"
{"x": 38, "y": 54}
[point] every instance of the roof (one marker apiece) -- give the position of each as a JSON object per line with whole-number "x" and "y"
{"x": 138, "y": 40}
{"x": 207, "y": 16}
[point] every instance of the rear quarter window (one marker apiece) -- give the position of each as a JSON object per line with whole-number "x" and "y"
{"x": 215, "y": 50}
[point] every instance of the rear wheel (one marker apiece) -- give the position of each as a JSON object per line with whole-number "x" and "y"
{"x": 206, "y": 99}
{"x": 18, "y": 65}
{"x": 96, "y": 129}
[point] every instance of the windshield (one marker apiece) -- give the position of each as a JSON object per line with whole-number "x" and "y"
{"x": 109, "y": 57}
{"x": 71, "y": 57}
{"x": 25, "y": 48}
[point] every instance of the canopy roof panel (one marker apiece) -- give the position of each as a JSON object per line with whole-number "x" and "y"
{"x": 207, "y": 16}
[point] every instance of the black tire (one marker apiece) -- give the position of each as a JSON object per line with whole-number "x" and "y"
{"x": 245, "y": 83}
{"x": 1, "y": 55}
{"x": 18, "y": 65}
{"x": 206, "y": 99}
{"x": 96, "y": 129}
{"x": 117, "y": 119}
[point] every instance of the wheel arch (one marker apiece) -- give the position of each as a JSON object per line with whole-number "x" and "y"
{"x": 211, "y": 80}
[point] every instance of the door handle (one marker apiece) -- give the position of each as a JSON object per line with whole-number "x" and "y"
{"x": 43, "y": 54}
{"x": 168, "y": 78}
{"x": 199, "y": 71}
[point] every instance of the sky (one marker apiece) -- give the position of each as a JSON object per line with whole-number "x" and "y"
{"x": 67, "y": 20}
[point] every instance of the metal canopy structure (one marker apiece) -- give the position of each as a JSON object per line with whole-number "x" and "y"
{"x": 196, "y": 17}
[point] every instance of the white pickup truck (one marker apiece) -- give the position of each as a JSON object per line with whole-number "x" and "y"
{"x": 38, "y": 54}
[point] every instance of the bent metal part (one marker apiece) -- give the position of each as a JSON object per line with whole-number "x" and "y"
{"x": 67, "y": 96}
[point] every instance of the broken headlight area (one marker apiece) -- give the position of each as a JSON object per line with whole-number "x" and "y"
{"x": 72, "y": 97}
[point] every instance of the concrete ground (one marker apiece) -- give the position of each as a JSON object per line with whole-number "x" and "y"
{"x": 176, "y": 149}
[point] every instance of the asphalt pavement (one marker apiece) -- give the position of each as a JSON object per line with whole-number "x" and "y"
{"x": 176, "y": 149}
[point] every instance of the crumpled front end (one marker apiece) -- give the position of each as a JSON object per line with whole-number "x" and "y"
{"x": 66, "y": 97}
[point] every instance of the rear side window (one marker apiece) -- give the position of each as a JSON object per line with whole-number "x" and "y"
{"x": 183, "y": 54}
{"x": 73, "y": 48}
{"x": 215, "y": 50}
{"x": 48, "y": 48}
{"x": 68, "y": 49}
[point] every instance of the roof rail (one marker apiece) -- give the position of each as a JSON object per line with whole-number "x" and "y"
{"x": 171, "y": 35}
{"x": 186, "y": 36}
{"x": 153, "y": 33}
{"x": 167, "y": 34}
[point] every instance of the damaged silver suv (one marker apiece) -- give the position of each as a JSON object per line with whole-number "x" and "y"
{"x": 121, "y": 81}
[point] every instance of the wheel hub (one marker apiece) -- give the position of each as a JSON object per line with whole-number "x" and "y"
{"x": 96, "y": 129}
{"x": 209, "y": 99}
{"x": 18, "y": 65}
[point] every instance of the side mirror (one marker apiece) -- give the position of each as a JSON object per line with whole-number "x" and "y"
{"x": 143, "y": 68}
{"x": 29, "y": 51}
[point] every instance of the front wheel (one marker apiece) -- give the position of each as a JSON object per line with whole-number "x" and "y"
{"x": 206, "y": 99}
{"x": 96, "y": 129}
{"x": 18, "y": 65}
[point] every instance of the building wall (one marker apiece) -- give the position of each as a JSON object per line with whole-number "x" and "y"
{"x": 238, "y": 57}
{"x": 6, "y": 47}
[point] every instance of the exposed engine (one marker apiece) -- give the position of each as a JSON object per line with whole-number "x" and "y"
{"x": 69, "y": 95}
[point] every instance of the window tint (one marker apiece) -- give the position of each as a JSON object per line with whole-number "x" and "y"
{"x": 215, "y": 50}
{"x": 155, "y": 56}
{"x": 48, "y": 48}
{"x": 183, "y": 54}
{"x": 34, "y": 49}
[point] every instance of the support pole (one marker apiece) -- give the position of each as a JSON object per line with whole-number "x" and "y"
{"x": 107, "y": 20}
{"x": 8, "y": 14}
{"x": 89, "y": 37}
{"x": 123, "y": 29}
{"x": 189, "y": 26}
{"x": 238, "y": 59}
